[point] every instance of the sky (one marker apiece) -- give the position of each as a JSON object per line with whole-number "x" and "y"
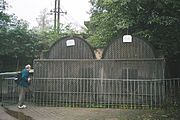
{"x": 29, "y": 10}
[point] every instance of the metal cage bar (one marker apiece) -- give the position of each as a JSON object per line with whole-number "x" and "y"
{"x": 95, "y": 92}
{"x": 100, "y": 82}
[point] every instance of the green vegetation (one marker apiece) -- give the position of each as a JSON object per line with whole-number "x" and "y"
{"x": 157, "y": 21}
{"x": 20, "y": 45}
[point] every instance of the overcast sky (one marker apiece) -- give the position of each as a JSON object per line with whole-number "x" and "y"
{"x": 77, "y": 10}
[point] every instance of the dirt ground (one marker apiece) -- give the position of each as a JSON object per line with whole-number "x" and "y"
{"x": 62, "y": 113}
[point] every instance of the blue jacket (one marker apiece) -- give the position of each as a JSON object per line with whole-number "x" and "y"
{"x": 25, "y": 76}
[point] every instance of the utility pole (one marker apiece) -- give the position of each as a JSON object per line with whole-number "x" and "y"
{"x": 58, "y": 20}
{"x": 57, "y": 12}
{"x": 55, "y": 15}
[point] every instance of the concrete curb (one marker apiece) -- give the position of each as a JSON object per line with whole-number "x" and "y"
{"x": 4, "y": 115}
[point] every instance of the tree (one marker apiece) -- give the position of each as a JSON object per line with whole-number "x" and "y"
{"x": 151, "y": 19}
{"x": 4, "y": 19}
{"x": 18, "y": 43}
{"x": 21, "y": 45}
{"x": 157, "y": 21}
{"x": 43, "y": 20}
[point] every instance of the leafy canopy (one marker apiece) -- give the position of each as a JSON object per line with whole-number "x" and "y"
{"x": 155, "y": 20}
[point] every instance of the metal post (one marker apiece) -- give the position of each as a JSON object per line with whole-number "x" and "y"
{"x": 55, "y": 8}
{"x": 58, "y": 20}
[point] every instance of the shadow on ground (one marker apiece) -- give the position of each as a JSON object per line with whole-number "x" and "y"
{"x": 18, "y": 115}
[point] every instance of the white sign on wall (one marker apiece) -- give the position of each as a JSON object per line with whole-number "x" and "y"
{"x": 127, "y": 38}
{"x": 70, "y": 42}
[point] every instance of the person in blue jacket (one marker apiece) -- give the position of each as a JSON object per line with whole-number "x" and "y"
{"x": 23, "y": 85}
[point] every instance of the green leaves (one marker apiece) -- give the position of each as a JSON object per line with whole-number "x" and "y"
{"x": 157, "y": 21}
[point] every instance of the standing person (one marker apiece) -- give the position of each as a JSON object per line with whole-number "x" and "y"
{"x": 23, "y": 85}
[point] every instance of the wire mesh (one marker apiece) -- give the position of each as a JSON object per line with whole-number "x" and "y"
{"x": 99, "y": 82}
{"x": 93, "y": 91}
{"x": 129, "y": 50}
{"x": 71, "y": 48}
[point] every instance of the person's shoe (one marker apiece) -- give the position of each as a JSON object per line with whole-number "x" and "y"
{"x": 20, "y": 107}
{"x": 24, "y": 106}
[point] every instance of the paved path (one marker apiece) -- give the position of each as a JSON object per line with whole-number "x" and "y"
{"x": 68, "y": 113}
{"x": 62, "y": 113}
{"x": 4, "y": 115}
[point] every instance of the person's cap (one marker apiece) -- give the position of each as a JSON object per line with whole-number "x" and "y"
{"x": 28, "y": 66}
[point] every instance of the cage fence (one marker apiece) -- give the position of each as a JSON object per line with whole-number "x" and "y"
{"x": 88, "y": 83}
{"x": 102, "y": 82}
{"x": 95, "y": 83}
{"x": 130, "y": 75}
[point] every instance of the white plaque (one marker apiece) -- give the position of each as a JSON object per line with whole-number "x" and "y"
{"x": 70, "y": 42}
{"x": 127, "y": 38}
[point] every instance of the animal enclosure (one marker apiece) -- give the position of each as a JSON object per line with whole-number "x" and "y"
{"x": 128, "y": 73}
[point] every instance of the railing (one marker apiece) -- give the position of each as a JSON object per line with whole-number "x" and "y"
{"x": 94, "y": 92}
{"x": 8, "y": 88}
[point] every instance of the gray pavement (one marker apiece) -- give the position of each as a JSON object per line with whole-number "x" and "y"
{"x": 4, "y": 115}
{"x": 69, "y": 113}
{"x": 62, "y": 113}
